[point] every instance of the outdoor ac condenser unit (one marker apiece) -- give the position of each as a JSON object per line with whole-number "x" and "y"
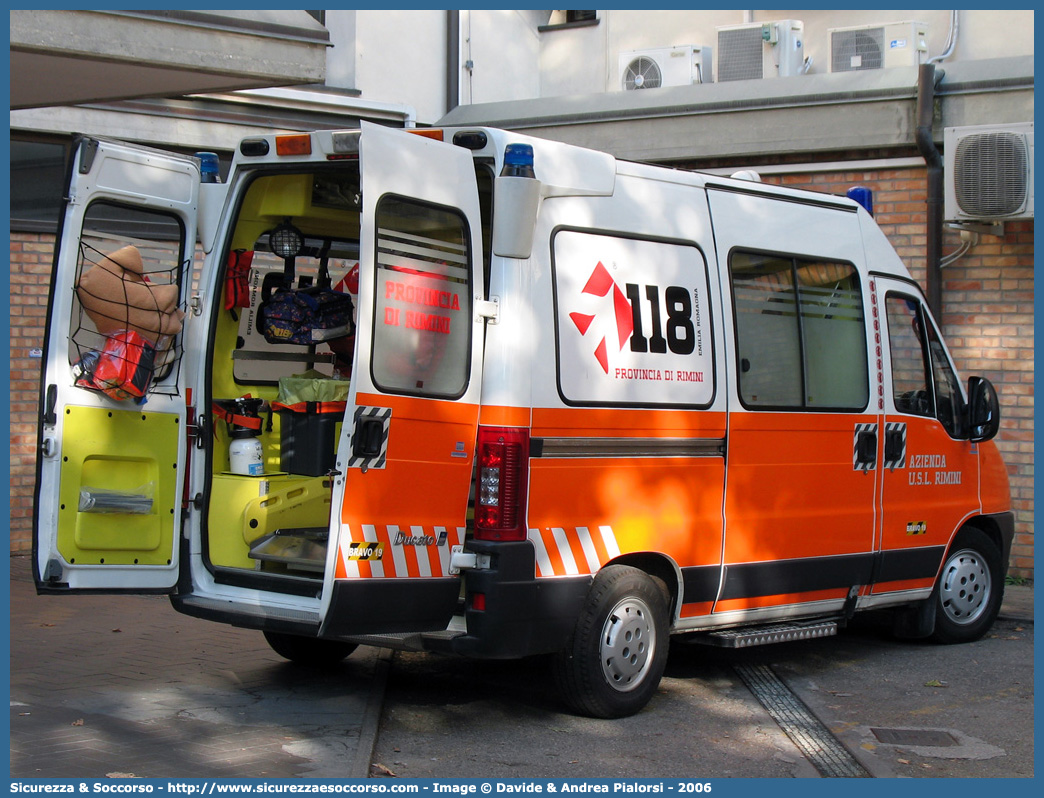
{"x": 868, "y": 47}
{"x": 760, "y": 50}
{"x": 665, "y": 66}
{"x": 988, "y": 173}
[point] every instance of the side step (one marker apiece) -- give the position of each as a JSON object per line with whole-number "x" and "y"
{"x": 745, "y": 637}
{"x": 415, "y": 641}
{"x": 408, "y": 641}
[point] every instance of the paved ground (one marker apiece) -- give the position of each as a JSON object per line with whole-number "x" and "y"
{"x": 902, "y": 709}
{"x": 111, "y": 686}
{"x": 104, "y": 685}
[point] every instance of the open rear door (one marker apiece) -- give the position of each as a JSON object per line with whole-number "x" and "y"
{"x": 408, "y": 445}
{"x": 111, "y": 461}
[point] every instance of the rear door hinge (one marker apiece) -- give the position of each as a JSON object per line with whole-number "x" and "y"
{"x": 197, "y": 432}
{"x": 488, "y": 309}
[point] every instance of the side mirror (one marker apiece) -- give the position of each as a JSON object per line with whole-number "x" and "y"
{"x": 983, "y": 410}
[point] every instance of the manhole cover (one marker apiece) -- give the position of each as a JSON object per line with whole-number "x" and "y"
{"x": 931, "y": 737}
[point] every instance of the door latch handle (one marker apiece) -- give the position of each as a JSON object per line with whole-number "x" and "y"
{"x": 50, "y": 417}
{"x": 368, "y": 439}
{"x": 893, "y": 446}
{"x": 866, "y": 447}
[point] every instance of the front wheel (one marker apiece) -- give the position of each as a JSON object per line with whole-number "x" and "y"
{"x": 613, "y": 664}
{"x": 969, "y": 590}
{"x": 311, "y": 651}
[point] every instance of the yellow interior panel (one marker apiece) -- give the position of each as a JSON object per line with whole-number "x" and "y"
{"x": 126, "y": 460}
{"x": 304, "y": 502}
{"x": 243, "y": 509}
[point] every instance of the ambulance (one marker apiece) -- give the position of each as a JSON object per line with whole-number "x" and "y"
{"x": 576, "y": 406}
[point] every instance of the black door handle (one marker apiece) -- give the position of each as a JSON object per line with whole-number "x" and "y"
{"x": 866, "y": 447}
{"x": 894, "y": 442}
{"x": 368, "y": 438}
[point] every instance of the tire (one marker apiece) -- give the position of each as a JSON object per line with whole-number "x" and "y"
{"x": 310, "y": 651}
{"x": 969, "y": 590}
{"x": 613, "y": 663}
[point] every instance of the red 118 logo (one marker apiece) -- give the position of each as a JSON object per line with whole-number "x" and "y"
{"x": 680, "y": 336}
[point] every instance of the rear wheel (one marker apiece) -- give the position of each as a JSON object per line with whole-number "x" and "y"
{"x": 311, "y": 651}
{"x": 613, "y": 664}
{"x": 969, "y": 590}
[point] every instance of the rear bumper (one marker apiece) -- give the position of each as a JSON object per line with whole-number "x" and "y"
{"x": 523, "y": 615}
{"x": 390, "y": 606}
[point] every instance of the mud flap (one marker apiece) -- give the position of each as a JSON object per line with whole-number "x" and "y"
{"x": 915, "y": 621}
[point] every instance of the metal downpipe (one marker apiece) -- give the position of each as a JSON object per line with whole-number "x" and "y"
{"x": 452, "y": 60}
{"x": 926, "y": 81}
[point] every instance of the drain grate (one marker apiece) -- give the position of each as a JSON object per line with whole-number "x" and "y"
{"x": 929, "y": 737}
{"x": 814, "y": 740}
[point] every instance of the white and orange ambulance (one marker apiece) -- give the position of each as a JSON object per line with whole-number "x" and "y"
{"x": 578, "y": 407}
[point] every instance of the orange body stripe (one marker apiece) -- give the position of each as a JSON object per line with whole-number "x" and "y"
{"x": 695, "y": 609}
{"x": 904, "y": 584}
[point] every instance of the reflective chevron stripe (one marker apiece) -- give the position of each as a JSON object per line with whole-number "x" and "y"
{"x": 573, "y": 551}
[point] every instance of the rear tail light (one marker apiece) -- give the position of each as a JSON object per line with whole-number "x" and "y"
{"x": 501, "y": 480}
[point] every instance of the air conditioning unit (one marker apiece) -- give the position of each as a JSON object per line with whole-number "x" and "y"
{"x": 665, "y": 66}
{"x": 761, "y": 50}
{"x": 868, "y": 47}
{"x": 988, "y": 172}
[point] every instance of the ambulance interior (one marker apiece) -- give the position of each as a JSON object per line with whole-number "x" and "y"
{"x": 300, "y": 231}
{"x": 295, "y": 239}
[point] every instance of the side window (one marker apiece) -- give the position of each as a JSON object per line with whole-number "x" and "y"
{"x": 949, "y": 401}
{"x": 923, "y": 382}
{"x": 768, "y": 340}
{"x": 800, "y": 332}
{"x": 124, "y": 336}
{"x": 911, "y": 390}
{"x": 422, "y": 329}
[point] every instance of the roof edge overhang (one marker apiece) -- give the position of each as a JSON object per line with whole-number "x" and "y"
{"x": 64, "y": 57}
{"x": 799, "y": 115}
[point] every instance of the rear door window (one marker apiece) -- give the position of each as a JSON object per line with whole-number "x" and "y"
{"x": 422, "y": 335}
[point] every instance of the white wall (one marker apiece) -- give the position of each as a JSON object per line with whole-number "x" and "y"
{"x": 572, "y": 60}
{"x": 400, "y": 57}
{"x": 340, "y": 57}
{"x": 504, "y": 48}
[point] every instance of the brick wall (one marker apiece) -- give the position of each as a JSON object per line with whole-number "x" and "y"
{"x": 987, "y": 314}
{"x": 987, "y": 320}
{"x": 30, "y": 280}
